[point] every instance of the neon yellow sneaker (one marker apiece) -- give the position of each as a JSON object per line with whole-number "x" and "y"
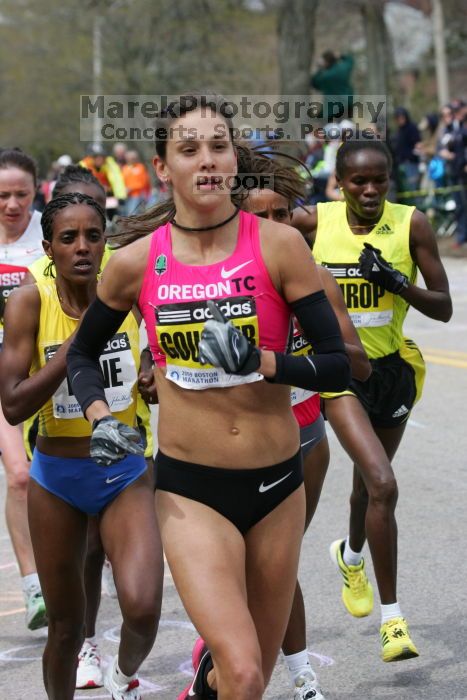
{"x": 357, "y": 591}
{"x": 395, "y": 641}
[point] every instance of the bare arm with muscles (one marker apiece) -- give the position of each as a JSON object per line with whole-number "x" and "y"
{"x": 21, "y": 394}
{"x": 434, "y": 301}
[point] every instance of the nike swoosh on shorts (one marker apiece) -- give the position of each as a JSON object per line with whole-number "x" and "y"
{"x": 225, "y": 274}
{"x": 263, "y": 488}
{"x": 109, "y": 481}
{"x": 304, "y": 444}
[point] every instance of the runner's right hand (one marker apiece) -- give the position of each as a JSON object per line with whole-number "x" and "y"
{"x": 223, "y": 345}
{"x": 374, "y": 268}
{"x": 112, "y": 440}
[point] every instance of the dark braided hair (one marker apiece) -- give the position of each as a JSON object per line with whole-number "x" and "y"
{"x": 75, "y": 174}
{"x": 348, "y": 148}
{"x": 62, "y": 202}
{"x": 57, "y": 204}
{"x": 16, "y": 158}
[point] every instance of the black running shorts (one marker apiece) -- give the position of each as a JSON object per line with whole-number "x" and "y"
{"x": 393, "y": 388}
{"x": 243, "y": 496}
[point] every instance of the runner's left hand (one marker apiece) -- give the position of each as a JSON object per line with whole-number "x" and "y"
{"x": 375, "y": 268}
{"x": 146, "y": 379}
{"x": 223, "y": 345}
{"x": 147, "y": 386}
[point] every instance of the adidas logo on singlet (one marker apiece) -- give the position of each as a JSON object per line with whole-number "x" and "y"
{"x": 385, "y": 228}
{"x": 401, "y": 411}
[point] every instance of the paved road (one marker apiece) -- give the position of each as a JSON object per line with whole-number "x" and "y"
{"x": 432, "y": 517}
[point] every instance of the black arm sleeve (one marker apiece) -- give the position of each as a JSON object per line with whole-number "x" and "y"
{"x": 329, "y": 368}
{"x": 99, "y": 325}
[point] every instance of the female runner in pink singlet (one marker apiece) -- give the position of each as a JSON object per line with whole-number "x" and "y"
{"x": 217, "y": 295}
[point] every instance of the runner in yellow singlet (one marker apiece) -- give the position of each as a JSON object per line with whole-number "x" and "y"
{"x": 66, "y": 483}
{"x": 277, "y": 204}
{"x": 97, "y": 567}
{"x": 374, "y": 249}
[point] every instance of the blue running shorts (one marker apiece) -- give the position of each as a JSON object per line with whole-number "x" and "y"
{"x": 82, "y": 483}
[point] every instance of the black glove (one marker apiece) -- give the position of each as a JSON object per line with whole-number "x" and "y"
{"x": 111, "y": 441}
{"x": 375, "y": 268}
{"x": 223, "y": 345}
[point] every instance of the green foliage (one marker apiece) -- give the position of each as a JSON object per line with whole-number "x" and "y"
{"x": 166, "y": 47}
{"x": 163, "y": 47}
{"x": 45, "y": 56}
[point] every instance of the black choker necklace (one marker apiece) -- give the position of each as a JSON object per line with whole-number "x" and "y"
{"x": 207, "y": 228}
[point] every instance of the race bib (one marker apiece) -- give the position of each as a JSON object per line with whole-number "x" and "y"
{"x": 10, "y": 278}
{"x": 300, "y": 395}
{"x": 368, "y": 304}
{"x": 178, "y": 329}
{"x": 120, "y": 376}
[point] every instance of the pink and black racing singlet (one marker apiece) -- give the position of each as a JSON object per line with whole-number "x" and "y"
{"x": 173, "y": 303}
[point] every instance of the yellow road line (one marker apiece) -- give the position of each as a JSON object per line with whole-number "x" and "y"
{"x": 12, "y": 612}
{"x": 445, "y": 361}
{"x": 442, "y": 352}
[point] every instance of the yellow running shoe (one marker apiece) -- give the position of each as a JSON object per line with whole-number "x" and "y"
{"x": 395, "y": 641}
{"x": 357, "y": 591}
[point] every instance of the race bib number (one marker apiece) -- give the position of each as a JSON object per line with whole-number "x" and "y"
{"x": 178, "y": 329}
{"x": 368, "y": 304}
{"x": 119, "y": 372}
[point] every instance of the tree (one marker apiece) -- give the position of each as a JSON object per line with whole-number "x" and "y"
{"x": 378, "y": 46}
{"x": 295, "y": 25}
{"x": 42, "y": 81}
{"x": 159, "y": 48}
{"x": 440, "y": 52}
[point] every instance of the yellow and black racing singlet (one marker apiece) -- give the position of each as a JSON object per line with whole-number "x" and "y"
{"x": 61, "y": 416}
{"x": 377, "y": 314}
